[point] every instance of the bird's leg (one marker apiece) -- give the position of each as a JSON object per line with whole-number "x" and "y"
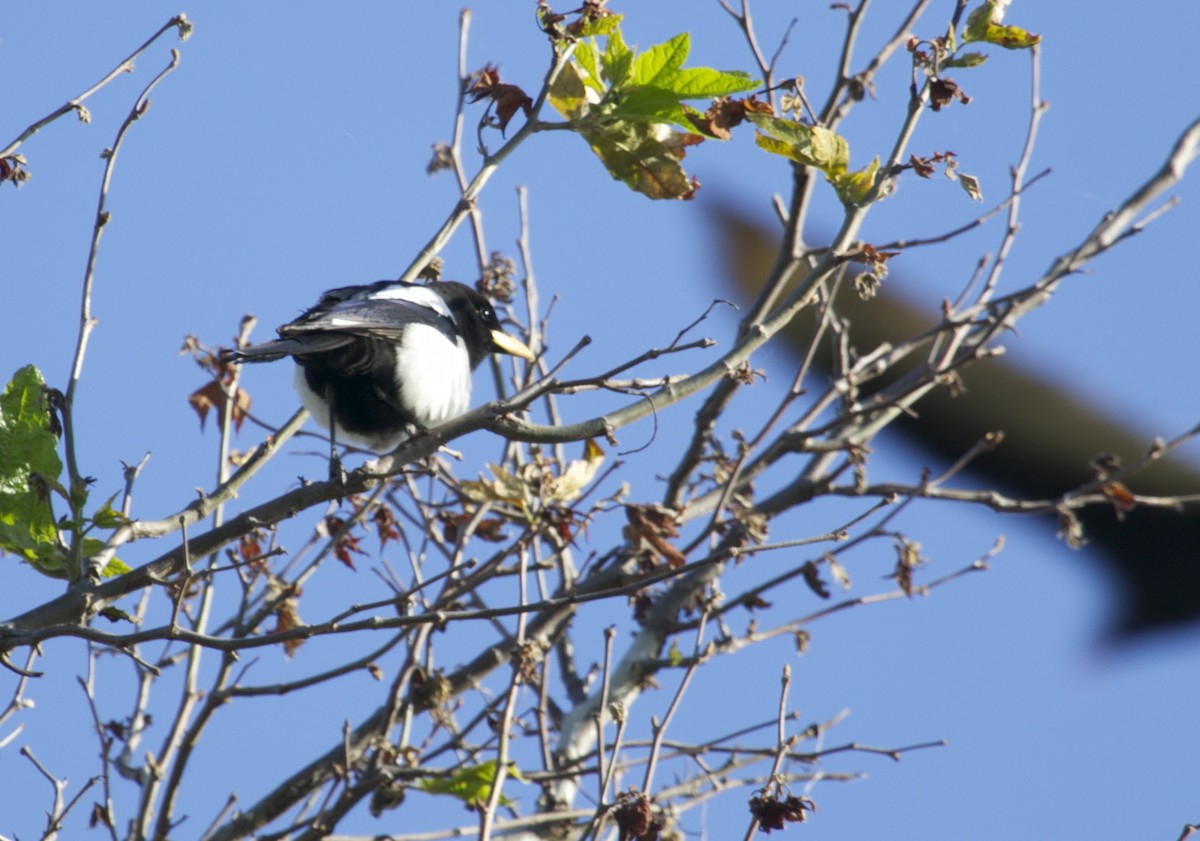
{"x": 336, "y": 471}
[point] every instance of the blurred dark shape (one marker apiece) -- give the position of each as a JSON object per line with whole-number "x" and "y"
{"x": 1153, "y": 554}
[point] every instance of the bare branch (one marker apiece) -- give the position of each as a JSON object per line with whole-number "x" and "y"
{"x": 182, "y": 26}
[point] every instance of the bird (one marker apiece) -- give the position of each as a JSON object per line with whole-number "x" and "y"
{"x": 378, "y": 363}
{"x": 1150, "y": 554}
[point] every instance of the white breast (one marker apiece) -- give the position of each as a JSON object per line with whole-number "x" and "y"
{"x": 436, "y": 375}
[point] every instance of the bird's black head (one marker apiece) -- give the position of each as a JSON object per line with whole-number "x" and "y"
{"x": 477, "y": 322}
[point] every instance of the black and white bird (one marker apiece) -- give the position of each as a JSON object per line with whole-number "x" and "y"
{"x": 378, "y": 362}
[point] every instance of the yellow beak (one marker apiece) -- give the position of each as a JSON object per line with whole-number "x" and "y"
{"x": 507, "y": 344}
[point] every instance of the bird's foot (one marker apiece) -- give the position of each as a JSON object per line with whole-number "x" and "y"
{"x": 337, "y": 474}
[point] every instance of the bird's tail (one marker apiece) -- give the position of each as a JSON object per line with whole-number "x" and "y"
{"x": 278, "y": 348}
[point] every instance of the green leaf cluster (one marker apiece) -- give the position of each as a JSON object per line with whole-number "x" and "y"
{"x": 630, "y": 106}
{"x": 813, "y": 146}
{"x": 983, "y": 25}
{"x": 818, "y": 147}
{"x": 29, "y": 467}
{"x": 30, "y": 471}
{"x": 471, "y": 784}
{"x": 646, "y": 87}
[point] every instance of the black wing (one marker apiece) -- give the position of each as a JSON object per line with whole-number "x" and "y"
{"x": 374, "y": 318}
{"x": 340, "y": 319}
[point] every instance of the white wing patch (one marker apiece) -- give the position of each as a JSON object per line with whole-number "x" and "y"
{"x": 421, "y": 295}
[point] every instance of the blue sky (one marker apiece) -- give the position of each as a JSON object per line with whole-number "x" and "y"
{"x": 286, "y": 155}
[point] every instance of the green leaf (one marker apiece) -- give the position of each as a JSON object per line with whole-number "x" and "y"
{"x": 659, "y": 64}
{"x": 852, "y": 187}
{"x": 704, "y": 82}
{"x": 815, "y": 146}
{"x": 648, "y": 105}
{"x": 115, "y": 614}
{"x": 983, "y": 24}
{"x": 655, "y": 103}
{"x": 830, "y": 151}
{"x": 107, "y": 517}
{"x": 787, "y": 131}
{"x": 638, "y": 126}
{"x": 978, "y": 21}
{"x": 1010, "y": 37}
{"x": 818, "y": 147}
{"x": 775, "y": 147}
{"x": 674, "y": 655}
{"x": 91, "y": 546}
{"x": 29, "y": 468}
{"x": 471, "y": 784}
{"x": 25, "y": 430}
{"x": 114, "y": 567}
{"x": 634, "y": 155}
{"x": 588, "y": 59}
{"x": 567, "y": 95}
{"x": 597, "y": 26}
{"x": 966, "y": 60}
{"x": 616, "y": 59}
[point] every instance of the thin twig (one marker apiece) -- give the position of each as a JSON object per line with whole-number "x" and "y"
{"x": 182, "y": 26}
{"x": 86, "y": 321}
